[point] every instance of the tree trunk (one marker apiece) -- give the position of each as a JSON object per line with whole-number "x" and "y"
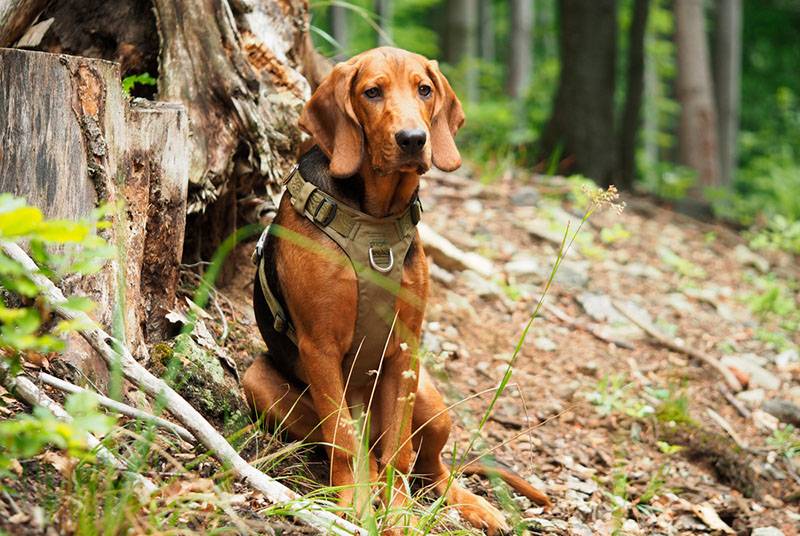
{"x": 72, "y": 142}
{"x": 728, "y": 80}
{"x": 633, "y": 96}
{"x": 339, "y": 30}
{"x": 697, "y": 133}
{"x": 486, "y": 27}
{"x": 580, "y": 129}
{"x": 383, "y": 9}
{"x": 461, "y": 40}
{"x": 520, "y": 60}
{"x": 15, "y": 17}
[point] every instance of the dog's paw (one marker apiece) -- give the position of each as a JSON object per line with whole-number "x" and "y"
{"x": 480, "y": 514}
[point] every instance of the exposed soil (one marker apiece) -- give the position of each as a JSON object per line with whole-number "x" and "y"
{"x": 620, "y": 438}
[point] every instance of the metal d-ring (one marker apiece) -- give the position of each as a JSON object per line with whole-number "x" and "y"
{"x": 380, "y": 268}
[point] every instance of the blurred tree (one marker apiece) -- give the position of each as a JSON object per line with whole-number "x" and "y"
{"x": 581, "y": 125}
{"x": 629, "y": 125}
{"x": 340, "y": 31}
{"x": 728, "y": 71}
{"x": 461, "y": 40}
{"x": 486, "y": 30}
{"x": 520, "y": 58}
{"x": 697, "y": 133}
{"x": 383, "y": 10}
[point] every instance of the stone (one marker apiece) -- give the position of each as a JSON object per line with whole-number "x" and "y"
{"x": 749, "y": 365}
{"x": 525, "y": 196}
{"x": 573, "y": 274}
{"x": 766, "y": 531}
{"x": 524, "y": 266}
{"x": 578, "y": 528}
{"x": 745, "y": 257}
{"x": 544, "y": 344}
{"x": 765, "y": 421}
{"x": 786, "y": 358}
{"x": 783, "y": 410}
{"x": 480, "y": 285}
{"x": 473, "y": 206}
{"x": 587, "y": 487}
{"x": 752, "y": 397}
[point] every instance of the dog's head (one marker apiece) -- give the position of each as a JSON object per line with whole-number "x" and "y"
{"x": 388, "y": 107}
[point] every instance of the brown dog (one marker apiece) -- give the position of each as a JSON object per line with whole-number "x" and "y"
{"x": 379, "y": 120}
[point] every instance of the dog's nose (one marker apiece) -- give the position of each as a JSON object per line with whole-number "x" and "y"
{"x": 411, "y": 140}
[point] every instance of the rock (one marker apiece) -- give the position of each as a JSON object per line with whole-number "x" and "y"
{"x": 749, "y": 365}
{"x": 431, "y": 342}
{"x": 525, "y": 266}
{"x": 766, "y": 531}
{"x": 573, "y": 274}
{"x": 752, "y": 397}
{"x": 578, "y": 528}
{"x": 544, "y": 344}
{"x": 646, "y": 271}
{"x": 480, "y": 285}
{"x": 473, "y": 206}
{"x": 525, "y": 196}
{"x": 589, "y": 368}
{"x": 587, "y": 487}
{"x": 787, "y": 357}
{"x": 448, "y": 346}
{"x": 679, "y": 302}
{"x": 765, "y": 421}
{"x": 783, "y": 410}
{"x": 745, "y": 257}
{"x": 601, "y": 309}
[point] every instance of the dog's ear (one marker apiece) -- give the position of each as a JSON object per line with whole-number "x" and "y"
{"x": 448, "y": 116}
{"x": 329, "y": 118}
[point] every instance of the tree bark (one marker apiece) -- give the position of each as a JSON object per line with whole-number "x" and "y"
{"x": 461, "y": 40}
{"x": 697, "y": 133}
{"x": 71, "y": 142}
{"x": 633, "y": 96}
{"x": 520, "y": 58}
{"x": 728, "y": 81}
{"x": 580, "y": 129}
{"x": 339, "y": 30}
{"x": 486, "y": 27}
{"x": 383, "y": 9}
{"x": 15, "y": 17}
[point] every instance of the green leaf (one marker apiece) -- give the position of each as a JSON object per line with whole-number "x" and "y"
{"x": 62, "y": 231}
{"x": 19, "y": 221}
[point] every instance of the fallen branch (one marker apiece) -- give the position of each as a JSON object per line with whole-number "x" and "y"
{"x": 679, "y": 346}
{"x": 585, "y": 326}
{"x": 732, "y": 400}
{"x": 449, "y": 256}
{"x": 117, "y": 355}
{"x": 725, "y": 425}
{"x": 119, "y": 407}
{"x": 27, "y": 391}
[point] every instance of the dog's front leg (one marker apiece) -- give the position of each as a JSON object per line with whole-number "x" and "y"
{"x": 398, "y": 386}
{"x": 326, "y": 383}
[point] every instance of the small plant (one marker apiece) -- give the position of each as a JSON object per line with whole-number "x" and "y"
{"x": 614, "y": 234}
{"x": 142, "y": 79}
{"x": 674, "y": 407}
{"x": 683, "y": 267}
{"x": 785, "y": 441}
{"x": 613, "y": 395}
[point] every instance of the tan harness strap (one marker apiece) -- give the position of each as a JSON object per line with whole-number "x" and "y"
{"x": 377, "y": 249}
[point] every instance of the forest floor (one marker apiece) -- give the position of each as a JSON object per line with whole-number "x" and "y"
{"x": 627, "y": 438}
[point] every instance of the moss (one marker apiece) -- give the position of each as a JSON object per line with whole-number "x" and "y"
{"x": 718, "y": 452}
{"x": 204, "y": 383}
{"x": 160, "y": 355}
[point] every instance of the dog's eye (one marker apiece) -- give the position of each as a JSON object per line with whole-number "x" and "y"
{"x": 424, "y": 90}
{"x": 373, "y": 93}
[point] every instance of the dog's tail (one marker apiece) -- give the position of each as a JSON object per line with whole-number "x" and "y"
{"x": 519, "y": 484}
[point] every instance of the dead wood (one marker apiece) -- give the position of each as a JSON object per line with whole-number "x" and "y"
{"x": 114, "y": 352}
{"x": 585, "y": 326}
{"x": 678, "y": 346}
{"x": 119, "y": 407}
{"x": 24, "y": 389}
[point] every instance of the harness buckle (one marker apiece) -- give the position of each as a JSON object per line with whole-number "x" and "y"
{"x": 259, "y": 251}
{"x": 280, "y": 323}
{"x": 325, "y": 212}
{"x": 381, "y": 269}
{"x": 416, "y": 211}
{"x": 289, "y": 175}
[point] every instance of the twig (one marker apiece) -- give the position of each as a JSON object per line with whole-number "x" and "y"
{"x": 119, "y": 407}
{"x": 678, "y": 346}
{"x": 27, "y": 391}
{"x": 575, "y": 323}
{"x": 743, "y": 411}
{"x": 119, "y": 356}
{"x": 725, "y": 425}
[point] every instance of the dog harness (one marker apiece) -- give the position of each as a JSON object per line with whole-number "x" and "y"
{"x": 376, "y": 248}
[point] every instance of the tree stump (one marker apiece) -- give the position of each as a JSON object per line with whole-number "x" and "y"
{"x": 70, "y": 141}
